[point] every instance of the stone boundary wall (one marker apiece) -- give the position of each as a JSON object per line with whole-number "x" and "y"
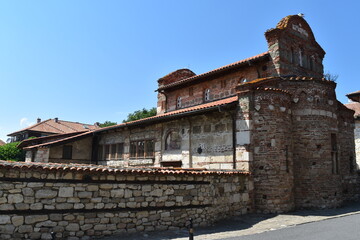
{"x": 87, "y": 201}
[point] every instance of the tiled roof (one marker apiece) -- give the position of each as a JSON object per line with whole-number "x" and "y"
{"x": 354, "y": 96}
{"x": 61, "y": 126}
{"x": 255, "y": 84}
{"x": 354, "y": 106}
{"x": 189, "y": 110}
{"x": 36, "y": 141}
{"x": 227, "y": 67}
{"x": 106, "y": 169}
{"x": 353, "y": 93}
{"x": 2, "y": 142}
{"x": 62, "y": 140}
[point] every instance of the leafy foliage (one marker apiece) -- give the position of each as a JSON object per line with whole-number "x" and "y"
{"x": 139, "y": 114}
{"x": 107, "y": 124}
{"x": 11, "y": 152}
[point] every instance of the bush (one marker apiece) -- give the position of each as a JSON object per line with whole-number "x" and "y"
{"x": 11, "y": 152}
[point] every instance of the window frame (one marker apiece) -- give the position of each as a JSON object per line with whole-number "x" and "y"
{"x": 110, "y": 152}
{"x": 136, "y": 152}
{"x": 178, "y": 102}
{"x": 207, "y": 97}
{"x": 67, "y": 152}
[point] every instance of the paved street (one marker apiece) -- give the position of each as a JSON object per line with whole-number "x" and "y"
{"x": 259, "y": 225}
{"x": 344, "y": 228}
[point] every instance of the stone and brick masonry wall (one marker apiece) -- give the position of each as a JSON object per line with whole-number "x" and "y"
{"x": 84, "y": 201}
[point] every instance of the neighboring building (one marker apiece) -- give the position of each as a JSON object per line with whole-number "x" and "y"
{"x": 355, "y": 106}
{"x": 272, "y": 114}
{"x": 355, "y": 96}
{"x": 2, "y": 142}
{"x": 50, "y": 127}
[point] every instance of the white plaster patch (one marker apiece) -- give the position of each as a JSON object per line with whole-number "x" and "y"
{"x": 243, "y": 124}
{"x": 299, "y": 29}
{"x": 243, "y": 137}
{"x": 282, "y": 109}
{"x": 271, "y": 107}
{"x": 296, "y": 100}
{"x": 273, "y": 142}
{"x": 257, "y": 107}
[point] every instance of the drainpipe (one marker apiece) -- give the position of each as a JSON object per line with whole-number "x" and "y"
{"x": 233, "y": 118}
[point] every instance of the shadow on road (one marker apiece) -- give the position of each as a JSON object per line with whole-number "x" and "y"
{"x": 251, "y": 223}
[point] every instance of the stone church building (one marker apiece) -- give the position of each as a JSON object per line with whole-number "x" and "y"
{"x": 273, "y": 115}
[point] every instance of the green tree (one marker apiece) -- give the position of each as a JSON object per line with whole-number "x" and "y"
{"x": 107, "y": 124}
{"x": 11, "y": 152}
{"x": 139, "y": 114}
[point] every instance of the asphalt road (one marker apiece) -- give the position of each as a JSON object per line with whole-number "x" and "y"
{"x": 340, "y": 228}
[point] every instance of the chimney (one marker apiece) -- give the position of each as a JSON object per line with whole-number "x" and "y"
{"x": 56, "y": 120}
{"x": 38, "y": 120}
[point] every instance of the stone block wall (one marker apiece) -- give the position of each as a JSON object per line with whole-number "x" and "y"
{"x": 204, "y": 141}
{"x": 80, "y": 202}
{"x": 220, "y": 87}
{"x": 357, "y": 142}
{"x": 81, "y": 152}
{"x": 272, "y": 164}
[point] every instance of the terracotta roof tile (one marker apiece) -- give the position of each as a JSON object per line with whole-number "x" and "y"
{"x": 354, "y": 106}
{"x": 201, "y": 107}
{"x": 61, "y": 126}
{"x": 106, "y": 169}
{"x": 60, "y": 140}
{"x": 229, "y": 66}
{"x": 353, "y": 93}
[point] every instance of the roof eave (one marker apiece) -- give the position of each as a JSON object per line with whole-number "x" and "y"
{"x": 213, "y": 73}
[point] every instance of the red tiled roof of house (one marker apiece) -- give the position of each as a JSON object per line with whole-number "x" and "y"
{"x": 59, "y": 126}
{"x": 2, "y": 142}
{"x": 106, "y": 169}
{"x": 226, "y": 67}
{"x": 202, "y": 107}
{"x": 354, "y": 106}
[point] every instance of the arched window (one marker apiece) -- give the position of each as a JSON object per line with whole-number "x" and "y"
{"x": 312, "y": 62}
{"x": 178, "y": 102}
{"x": 173, "y": 141}
{"x": 301, "y": 52}
{"x": 207, "y": 95}
{"x": 292, "y": 56}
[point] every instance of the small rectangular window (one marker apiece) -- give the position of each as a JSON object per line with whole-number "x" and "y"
{"x": 100, "y": 152}
{"x": 113, "y": 151}
{"x": 334, "y": 154}
{"x": 107, "y": 152}
{"x": 287, "y": 157}
{"x": 133, "y": 149}
{"x": 142, "y": 149}
{"x": 149, "y": 148}
{"x": 67, "y": 152}
{"x": 120, "y": 151}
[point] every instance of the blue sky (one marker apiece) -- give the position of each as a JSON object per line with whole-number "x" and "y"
{"x": 92, "y": 61}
